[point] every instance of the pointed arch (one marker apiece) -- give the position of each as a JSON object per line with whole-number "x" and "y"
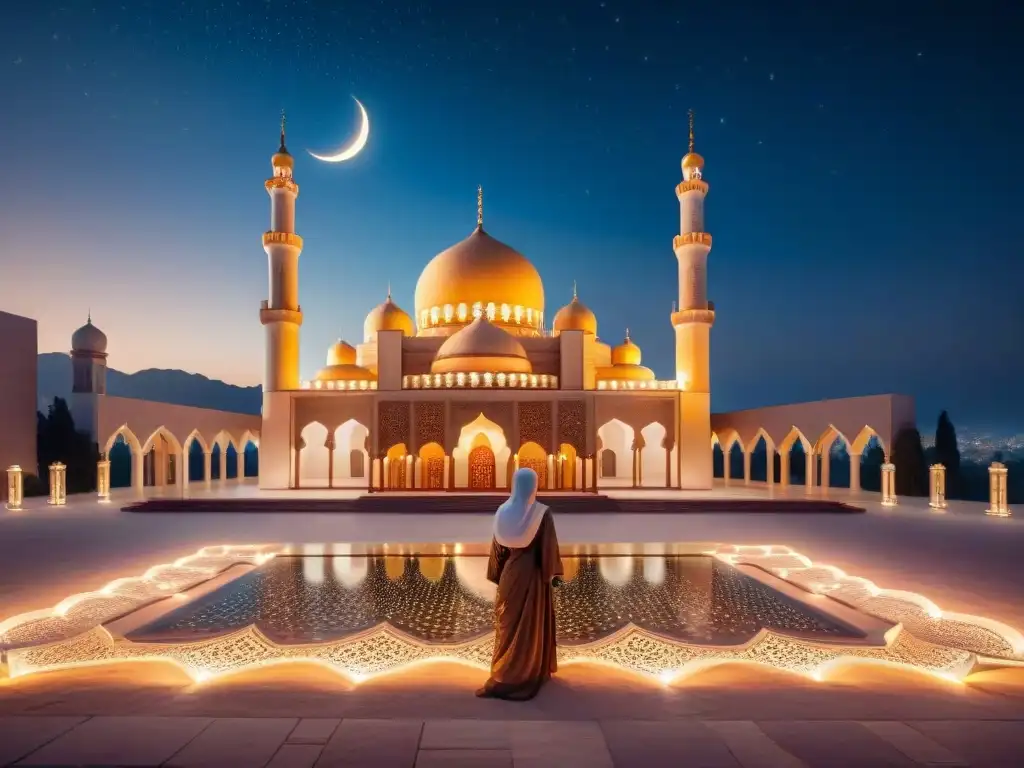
{"x": 617, "y": 438}
{"x": 827, "y": 438}
{"x": 653, "y": 461}
{"x": 793, "y": 436}
{"x": 129, "y": 437}
{"x": 313, "y": 456}
{"x": 761, "y": 432}
{"x": 166, "y": 434}
{"x": 249, "y": 437}
{"x": 195, "y": 434}
{"x": 860, "y": 442}
{"x": 224, "y": 439}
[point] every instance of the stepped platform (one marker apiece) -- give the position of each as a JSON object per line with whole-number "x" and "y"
{"x": 475, "y": 503}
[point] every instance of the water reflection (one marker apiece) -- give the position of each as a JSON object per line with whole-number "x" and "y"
{"x": 329, "y": 594}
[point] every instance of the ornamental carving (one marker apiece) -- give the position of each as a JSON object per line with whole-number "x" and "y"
{"x": 392, "y": 425}
{"x": 429, "y": 416}
{"x": 535, "y": 424}
{"x": 572, "y": 424}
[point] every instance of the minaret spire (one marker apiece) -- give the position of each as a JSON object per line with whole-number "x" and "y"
{"x": 691, "y": 130}
{"x": 480, "y": 206}
{"x": 284, "y": 121}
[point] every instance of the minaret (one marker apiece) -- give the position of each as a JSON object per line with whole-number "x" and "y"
{"x": 89, "y": 377}
{"x": 281, "y": 314}
{"x": 692, "y": 322}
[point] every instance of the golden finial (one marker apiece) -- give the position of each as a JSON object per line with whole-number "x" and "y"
{"x": 389, "y": 290}
{"x": 627, "y": 334}
{"x": 284, "y": 121}
{"x": 574, "y": 290}
{"x": 480, "y": 205}
{"x": 691, "y": 130}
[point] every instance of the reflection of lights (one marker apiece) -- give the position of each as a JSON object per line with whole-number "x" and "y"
{"x": 394, "y": 567}
{"x": 617, "y": 571}
{"x": 432, "y": 568}
{"x": 313, "y": 566}
{"x": 654, "y": 569}
{"x": 348, "y": 571}
{"x": 472, "y": 574}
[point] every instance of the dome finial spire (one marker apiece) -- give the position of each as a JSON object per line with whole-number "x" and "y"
{"x": 691, "y": 130}
{"x": 389, "y": 290}
{"x": 480, "y": 205}
{"x": 88, "y": 317}
{"x": 574, "y": 296}
{"x": 627, "y": 334}
{"x": 284, "y": 121}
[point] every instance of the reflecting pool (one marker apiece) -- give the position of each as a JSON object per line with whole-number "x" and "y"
{"x": 447, "y": 599}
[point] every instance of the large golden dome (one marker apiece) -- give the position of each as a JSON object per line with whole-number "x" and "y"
{"x": 481, "y": 347}
{"x": 479, "y": 276}
{"x": 387, "y": 316}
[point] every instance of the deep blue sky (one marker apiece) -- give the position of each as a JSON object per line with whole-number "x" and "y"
{"x": 864, "y": 163}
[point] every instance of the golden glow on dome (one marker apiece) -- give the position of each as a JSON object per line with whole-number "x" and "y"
{"x": 692, "y": 160}
{"x": 341, "y": 353}
{"x": 625, "y": 365}
{"x": 481, "y": 346}
{"x": 575, "y": 316}
{"x": 480, "y": 275}
{"x": 341, "y": 365}
{"x": 387, "y": 316}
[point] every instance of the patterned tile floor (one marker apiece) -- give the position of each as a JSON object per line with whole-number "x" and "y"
{"x": 288, "y": 742}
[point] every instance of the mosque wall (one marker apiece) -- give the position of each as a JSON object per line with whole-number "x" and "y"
{"x": 143, "y": 418}
{"x": 853, "y": 419}
{"x": 18, "y": 375}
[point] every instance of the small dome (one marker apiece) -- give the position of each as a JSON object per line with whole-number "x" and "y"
{"x": 387, "y": 317}
{"x": 481, "y": 347}
{"x": 627, "y": 353}
{"x": 89, "y": 338}
{"x": 341, "y": 353}
{"x": 692, "y": 160}
{"x": 282, "y": 159}
{"x": 575, "y": 316}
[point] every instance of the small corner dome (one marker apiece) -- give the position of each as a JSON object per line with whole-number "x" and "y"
{"x": 387, "y": 316}
{"x": 89, "y": 338}
{"x": 575, "y": 316}
{"x": 341, "y": 353}
{"x": 692, "y": 160}
{"x": 341, "y": 365}
{"x": 481, "y": 347}
{"x": 626, "y": 353}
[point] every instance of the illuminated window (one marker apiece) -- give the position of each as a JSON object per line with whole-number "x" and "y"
{"x": 462, "y": 313}
{"x": 449, "y": 313}
{"x": 478, "y": 310}
{"x": 506, "y": 313}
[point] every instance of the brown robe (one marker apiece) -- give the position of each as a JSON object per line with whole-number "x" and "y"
{"x": 524, "y": 615}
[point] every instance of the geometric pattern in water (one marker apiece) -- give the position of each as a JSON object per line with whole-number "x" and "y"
{"x": 301, "y": 600}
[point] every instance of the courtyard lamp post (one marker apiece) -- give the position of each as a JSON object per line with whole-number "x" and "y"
{"x": 997, "y": 490}
{"x": 58, "y": 485}
{"x": 15, "y": 488}
{"x": 937, "y": 486}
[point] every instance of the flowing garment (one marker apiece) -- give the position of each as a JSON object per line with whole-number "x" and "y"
{"x": 524, "y": 610}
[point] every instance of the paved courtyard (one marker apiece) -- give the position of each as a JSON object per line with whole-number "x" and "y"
{"x": 151, "y": 713}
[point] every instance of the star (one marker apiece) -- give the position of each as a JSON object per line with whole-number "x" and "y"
{"x": 721, "y": 120}
{"x": 771, "y": 76}
{"x": 18, "y": 61}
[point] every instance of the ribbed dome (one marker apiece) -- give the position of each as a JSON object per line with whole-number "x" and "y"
{"x": 482, "y": 347}
{"x": 341, "y": 365}
{"x": 89, "y": 338}
{"x": 387, "y": 316}
{"x": 480, "y": 270}
{"x": 575, "y": 316}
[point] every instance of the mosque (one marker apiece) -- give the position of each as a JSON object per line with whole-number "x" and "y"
{"x": 472, "y": 384}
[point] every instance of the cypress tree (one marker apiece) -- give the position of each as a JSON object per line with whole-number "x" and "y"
{"x": 947, "y": 453}
{"x": 911, "y": 467}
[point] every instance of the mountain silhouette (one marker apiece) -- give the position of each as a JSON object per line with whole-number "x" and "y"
{"x": 157, "y": 384}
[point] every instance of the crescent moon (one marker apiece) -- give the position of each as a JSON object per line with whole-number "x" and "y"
{"x": 355, "y": 146}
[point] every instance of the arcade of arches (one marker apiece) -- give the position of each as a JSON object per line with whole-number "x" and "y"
{"x": 167, "y": 463}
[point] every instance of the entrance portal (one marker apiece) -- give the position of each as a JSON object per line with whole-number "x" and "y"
{"x": 481, "y": 468}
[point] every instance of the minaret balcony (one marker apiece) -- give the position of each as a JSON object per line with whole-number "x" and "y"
{"x": 270, "y": 314}
{"x": 691, "y": 238}
{"x": 282, "y": 182}
{"x": 692, "y": 185}
{"x": 694, "y": 316}
{"x": 282, "y": 238}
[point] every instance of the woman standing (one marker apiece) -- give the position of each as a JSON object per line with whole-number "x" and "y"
{"x": 523, "y": 563}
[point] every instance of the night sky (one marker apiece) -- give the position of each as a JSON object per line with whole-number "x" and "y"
{"x": 864, "y": 163}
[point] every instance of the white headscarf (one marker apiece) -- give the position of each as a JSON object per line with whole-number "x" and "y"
{"x": 517, "y": 520}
